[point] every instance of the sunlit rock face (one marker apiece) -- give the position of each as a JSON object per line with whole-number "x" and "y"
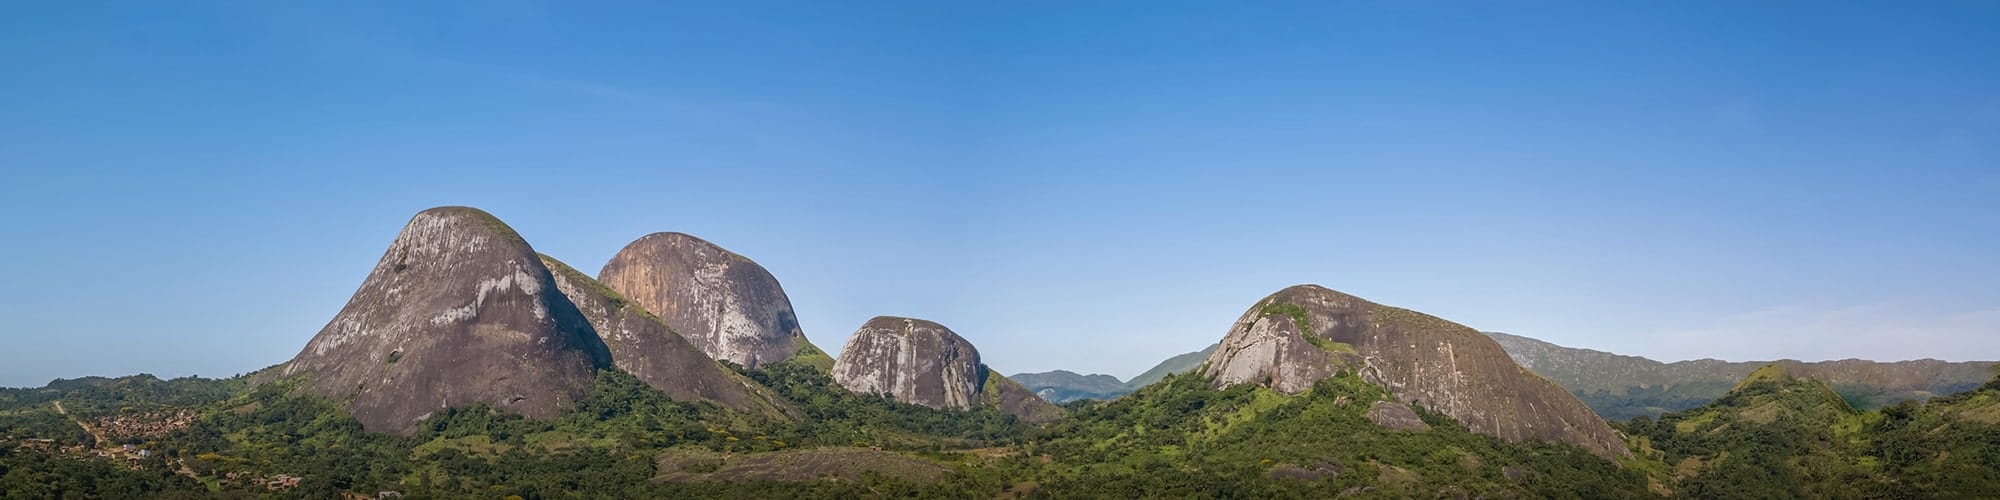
{"x": 723, "y": 303}
{"x": 459, "y": 310}
{"x": 910, "y": 360}
{"x": 642, "y": 345}
{"x": 1306, "y": 333}
{"x": 922, "y": 362}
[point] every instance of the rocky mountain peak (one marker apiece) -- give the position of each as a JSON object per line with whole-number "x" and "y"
{"x": 459, "y": 310}
{"x": 724, "y": 303}
{"x": 1306, "y": 333}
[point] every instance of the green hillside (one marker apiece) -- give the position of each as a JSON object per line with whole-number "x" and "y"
{"x": 1777, "y": 435}
{"x": 1620, "y": 387}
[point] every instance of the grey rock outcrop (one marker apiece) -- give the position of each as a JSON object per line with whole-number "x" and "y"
{"x": 1307, "y": 333}
{"x": 922, "y": 362}
{"x": 1396, "y": 416}
{"x": 642, "y": 345}
{"x": 910, "y": 360}
{"x": 459, "y": 310}
{"x": 723, "y": 303}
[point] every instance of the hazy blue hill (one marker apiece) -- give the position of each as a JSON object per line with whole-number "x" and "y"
{"x": 1063, "y": 386}
{"x": 1620, "y": 387}
{"x": 1177, "y": 364}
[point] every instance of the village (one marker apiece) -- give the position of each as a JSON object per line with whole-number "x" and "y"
{"x": 108, "y": 430}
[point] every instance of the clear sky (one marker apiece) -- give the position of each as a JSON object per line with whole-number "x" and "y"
{"x": 196, "y": 188}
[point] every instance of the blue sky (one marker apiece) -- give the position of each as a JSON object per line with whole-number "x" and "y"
{"x": 196, "y": 188}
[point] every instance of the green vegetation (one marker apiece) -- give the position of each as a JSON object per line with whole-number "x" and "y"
{"x": 1775, "y": 436}
{"x": 1294, "y": 311}
{"x": 1778, "y": 436}
{"x": 1181, "y": 438}
{"x": 811, "y": 356}
{"x": 1651, "y": 401}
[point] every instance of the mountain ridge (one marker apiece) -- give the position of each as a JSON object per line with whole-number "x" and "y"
{"x": 1620, "y": 387}
{"x": 1062, "y": 386}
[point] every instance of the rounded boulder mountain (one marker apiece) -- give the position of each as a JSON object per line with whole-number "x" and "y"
{"x": 459, "y": 310}
{"x": 724, "y": 303}
{"x": 922, "y": 362}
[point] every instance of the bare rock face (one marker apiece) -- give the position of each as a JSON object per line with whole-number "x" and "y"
{"x": 922, "y": 362}
{"x": 910, "y": 360}
{"x": 1396, "y": 416}
{"x": 642, "y": 345}
{"x": 459, "y": 310}
{"x": 1306, "y": 333}
{"x": 725, "y": 304}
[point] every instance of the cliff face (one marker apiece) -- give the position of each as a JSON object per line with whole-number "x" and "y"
{"x": 1306, "y": 333}
{"x": 459, "y": 310}
{"x": 1621, "y": 387}
{"x": 642, "y": 345}
{"x": 922, "y": 362}
{"x": 723, "y": 303}
{"x": 910, "y": 360}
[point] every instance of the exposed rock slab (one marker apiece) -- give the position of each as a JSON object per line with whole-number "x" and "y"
{"x": 1306, "y": 333}
{"x": 723, "y": 303}
{"x": 922, "y": 362}
{"x": 459, "y": 310}
{"x": 1396, "y": 416}
{"x": 644, "y": 346}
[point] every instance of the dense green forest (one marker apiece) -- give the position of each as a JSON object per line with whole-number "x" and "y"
{"x": 1773, "y": 436}
{"x": 1778, "y": 436}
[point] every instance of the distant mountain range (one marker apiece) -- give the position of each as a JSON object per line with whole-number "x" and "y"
{"x": 1617, "y": 387}
{"x": 1062, "y": 386}
{"x": 1621, "y": 387}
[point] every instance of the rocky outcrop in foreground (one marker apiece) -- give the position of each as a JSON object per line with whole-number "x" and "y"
{"x": 922, "y": 362}
{"x": 458, "y": 311}
{"x": 723, "y": 303}
{"x": 1307, "y": 333}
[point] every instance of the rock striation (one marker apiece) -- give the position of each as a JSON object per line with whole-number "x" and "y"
{"x": 1306, "y": 333}
{"x": 921, "y": 362}
{"x": 910, "y": 360}
{"x": 644, "y": 346}
{"x": 725, "y": 304}
{"x": 458, "y": 311}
